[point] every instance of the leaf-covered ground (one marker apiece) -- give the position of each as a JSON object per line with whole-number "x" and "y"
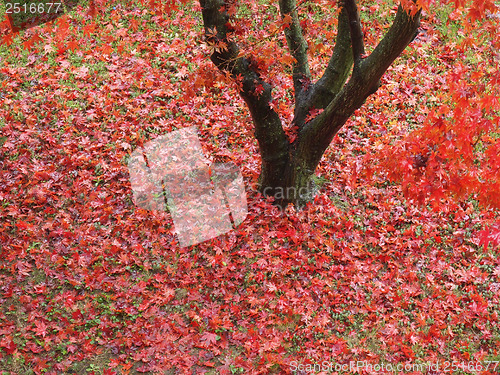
{"x": 90, "y": 283}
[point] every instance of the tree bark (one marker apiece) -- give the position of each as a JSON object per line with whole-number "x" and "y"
{"x": 288, "y": 168}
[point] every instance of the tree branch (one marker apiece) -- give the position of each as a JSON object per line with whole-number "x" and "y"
{"x": 273, "y": 142}
{"x": 358, "y": 47}
{"x": 297, "y": 46}
{"x": 318, "y": 133}
{"x": 336, "y": 72}
{"x": 402, "y": 32}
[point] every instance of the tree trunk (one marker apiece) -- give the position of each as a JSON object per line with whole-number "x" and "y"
{"x": 295, "y": 185}
{"x": 288, "y": 168}
{"x": 291, "y": 179}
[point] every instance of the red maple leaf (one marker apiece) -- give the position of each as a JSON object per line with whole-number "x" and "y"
{"x": 209, "y": 338}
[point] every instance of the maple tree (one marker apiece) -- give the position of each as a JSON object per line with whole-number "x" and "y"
{"x": 288, "y": 166}
{"x": 91, "y": 283}
{"x": 289, "y": 162}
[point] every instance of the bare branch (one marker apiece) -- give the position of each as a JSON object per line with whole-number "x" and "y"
{"x": 297, "y": 46}
{"x": 402, "y": 32}
{"x": 337, "y": 71}
{"x": 364, "y": 81}
{"x": 358, "y": 48}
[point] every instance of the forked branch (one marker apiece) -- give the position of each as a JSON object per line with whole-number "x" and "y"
{"x": 336, "y": 72}
{"x": 318, "y": 133}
